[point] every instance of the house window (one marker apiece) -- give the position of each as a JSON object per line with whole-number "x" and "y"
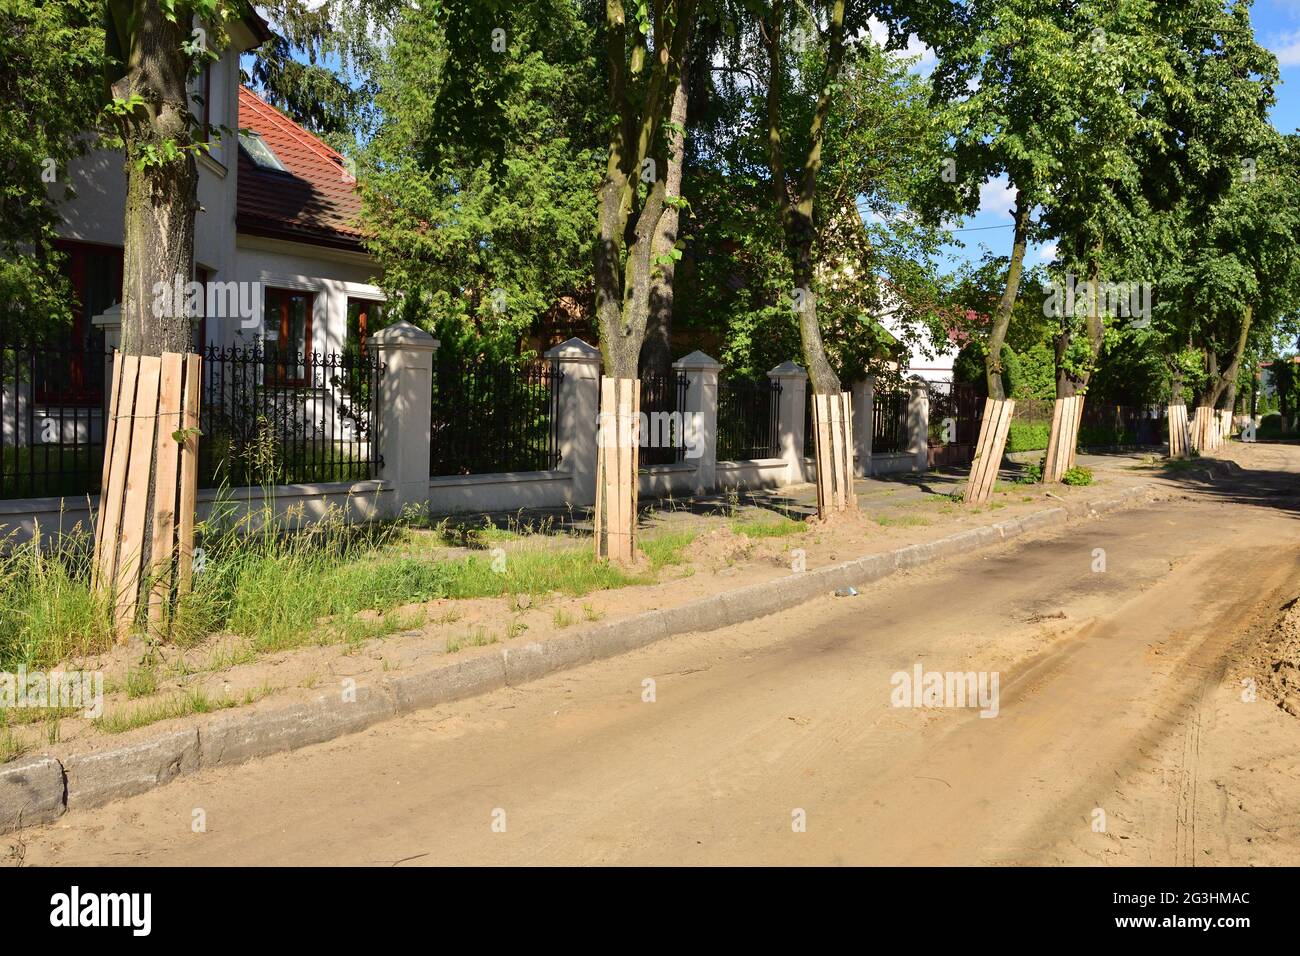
{"x": 287, "y": 331}
{"x": 364, "y": 320}
{"x": 95, "y": 274}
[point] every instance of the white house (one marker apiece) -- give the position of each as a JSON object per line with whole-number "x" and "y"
{"x": 278, "y": 216}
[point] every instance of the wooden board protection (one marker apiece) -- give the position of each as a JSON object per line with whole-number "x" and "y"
{"x": 616, "y": 463}
{"x": 833, "y": 431}
{"x": 988, "y": 452}
{"x": 149, "y": 488}
{"x": 1179, "y": 437}
{"x": 189, "y": 473}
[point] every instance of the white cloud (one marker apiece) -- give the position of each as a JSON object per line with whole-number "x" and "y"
{"x": 1047, "y": 254}
{"x": 878, "y": 30}
{"x": 1287, "y": 48}
{"x": 997, "y": 198}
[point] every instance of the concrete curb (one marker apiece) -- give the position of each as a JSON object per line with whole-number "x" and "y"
{"x": 40, "y": 789}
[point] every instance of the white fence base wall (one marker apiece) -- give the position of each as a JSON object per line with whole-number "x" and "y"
{"x": 668, "y": 481}
{"x": 760, "y": 473}
{"x": 507, "y": 491}
{"x": 295, "y": 505}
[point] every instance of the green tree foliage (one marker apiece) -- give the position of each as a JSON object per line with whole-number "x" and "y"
{"x": 51, "y": 75}
{"x": 884, "y": 142}
{"x": 479, "y": 185}
{"x": 321, "y": 65}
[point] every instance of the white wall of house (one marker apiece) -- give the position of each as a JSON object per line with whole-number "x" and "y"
{"x": 99, "y": 179}
{"x": 334, "y": 275}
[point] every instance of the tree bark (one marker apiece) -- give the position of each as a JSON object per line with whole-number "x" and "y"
{"x": 993, "y": 366}
{"x": 657, "y": 352}
{"x": 626, "y": 234}
{"x": 1219, "y": 381}
{"x": 797, "y": 220}
{"x": 161, "y": 198}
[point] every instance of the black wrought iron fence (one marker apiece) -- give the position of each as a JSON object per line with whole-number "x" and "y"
{"x": 493, "y": 417}
{"x": 663, "y": 403}
{"x": 1106, "y": 425}
{"x": 52, "y": 412}
{"x": 272, "y": 418}
{"x": 889, "y": 422}
{"x": 748, "y": 419}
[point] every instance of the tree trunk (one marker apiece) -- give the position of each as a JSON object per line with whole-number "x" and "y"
{"x": 657, "y": 352}
{"x": 1072, "y": 384}
{"x": 797, "y": 221}
{"x": 161, "y": 197}
{"x": 993, "y": 366}
{"x": 798, "y": 224}
{"x": 624, "y": 249}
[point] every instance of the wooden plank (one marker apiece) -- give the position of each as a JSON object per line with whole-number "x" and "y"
{"x": 144, "y": 421}
{"x": 988, "y": 466}
{"x": 112, "y": 496}
{"x": 825, "y": 467}
{"x": 1054, "y": 440}
{"x": 618, "y": 527}
{"x": 837, "y": 450}
{"x": 983, "y": 444}
{"x": 992, "y": 457}
{"x": 1072, "y": 450}
{"x": 167, "y": 453}
{"x": 636, "y": 460}
{"x": 110, "y": 433}
{"x": 1000, "y": 444}
{"x": 188, "y": 493}
{"x": 604, "y": 481}
{"x": 846, "y": 425}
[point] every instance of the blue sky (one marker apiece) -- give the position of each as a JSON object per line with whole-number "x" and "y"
{"x": 1277, "y": 27}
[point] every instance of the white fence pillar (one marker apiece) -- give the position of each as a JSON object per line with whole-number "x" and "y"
{"x": 791, "y": 415}
{"x": 578, "y": 415}
{"x": 864, "y": 415}
{"x": 405, "y": 398}
{"x": 700, "y": 417}
{"x": 918, "y": 424}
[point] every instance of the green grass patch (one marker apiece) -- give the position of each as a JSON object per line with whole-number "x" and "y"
{"x": 903, "y": 521}
{"x": 183, "y": 704}
{"x": 778, "y": 527}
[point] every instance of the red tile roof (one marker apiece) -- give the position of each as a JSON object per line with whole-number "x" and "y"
{"x": 313, "y": 200}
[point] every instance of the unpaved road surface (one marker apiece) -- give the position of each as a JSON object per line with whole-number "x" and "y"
{"x": 1120, "y": 736}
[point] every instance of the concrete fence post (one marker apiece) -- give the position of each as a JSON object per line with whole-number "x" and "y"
{"x": 918, "y": 424}
{"x": 791, "y": 416}
{"x": 700, "y": 417}
{"x": 578, "y": 416}
{"x": 405, "y": 399}
{"x": 864, "y": 415}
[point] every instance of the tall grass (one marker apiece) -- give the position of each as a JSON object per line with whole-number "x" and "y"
{"x": 48, "y": 612}
{"x": 279, "y": 589}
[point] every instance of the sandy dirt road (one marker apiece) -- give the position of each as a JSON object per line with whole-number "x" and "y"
{"x": 1117, "y": 696}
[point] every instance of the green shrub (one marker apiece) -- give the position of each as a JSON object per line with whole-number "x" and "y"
{"x": 1028, "y": 436}
{"x": 1077, "y": 476}
{"x": 1033, "y": 473}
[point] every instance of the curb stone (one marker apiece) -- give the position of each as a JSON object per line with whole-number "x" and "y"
{"x": 100, "y": 777}
{"x": 36, "y": 790}
{"x": 31, "y": 792}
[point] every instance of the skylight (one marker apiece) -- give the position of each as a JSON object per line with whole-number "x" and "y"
{"x": 258, "y": 151}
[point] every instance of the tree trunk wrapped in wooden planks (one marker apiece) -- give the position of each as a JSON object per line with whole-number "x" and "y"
{"x": 988, "y": 450}
{"x": 1063, "y": 444}
{"x": 618, "y": 448}
{"x": 833, "y": 424}
{"x": 150, "y": 481}
{"x": 1205, "y": 433}
{"x": 1180, "y": 439}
